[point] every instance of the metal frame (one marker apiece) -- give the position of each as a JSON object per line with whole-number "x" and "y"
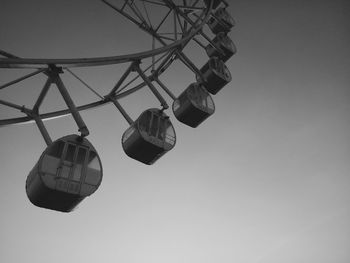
{"x": 187, "y": 24}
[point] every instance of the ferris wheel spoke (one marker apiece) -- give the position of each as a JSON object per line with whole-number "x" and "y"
{"x": 147, "y": 15}
{"x": 11, "y": 105}
{"x": 142, "y": 24}
{"x": 160, "y": 3}
{"x": 118, "y": 89}
{"x": 195, "y": 3}
{"x": 122, "y": 79}
{"x": 137, "y": 12}
{"x": 22, "y": 78}
{"x": 42, "y": 95}
{"x": 179, "y": 21}
{"x": 151, "y": 86}
{"x": 183, "y": 30}
{"x": 7, "y": 55}
{"x": 163, "y": 20}
{"x": 84, "y": 83}
{"x": 161, "y": 84}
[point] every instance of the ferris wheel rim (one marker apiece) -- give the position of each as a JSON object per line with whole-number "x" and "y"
{"x": 41, "y": 63}
{"x": 16, "y": 62}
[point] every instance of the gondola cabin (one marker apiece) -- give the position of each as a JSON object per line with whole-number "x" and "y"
{"x": 68, "y": 171}
{"x": 149, "y": 137}
{"x": 225, "y": 44}
{"x": 221, "y": 22}
{"x": 194, "y": 105}
{"x": 216, "y": 75}
{"x": 215, "y": 4}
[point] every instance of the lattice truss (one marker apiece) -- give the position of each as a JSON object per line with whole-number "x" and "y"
{"x": 181, "y": 22}
{"x": 171, "y": 25}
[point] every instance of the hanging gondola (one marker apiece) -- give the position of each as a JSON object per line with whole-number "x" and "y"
{"x": 225, "y": 44}
{"x": 149, "y": 137}
{"x": 194, "y": 105}
{"x": 215, "y": 74}
{"x": 221, "y": 22}
{"x": 68, "y": 171}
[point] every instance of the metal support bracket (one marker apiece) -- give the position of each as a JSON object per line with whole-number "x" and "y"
{"x": 151, "y": 86}
{"x": 161, "y": 84}
{"x": 34, "y": 114}
{"x": 54, "y": 75}
{"x": 122, "y": 79}
{"x": 190, "y": 65}
{"x": 120, "y": 108}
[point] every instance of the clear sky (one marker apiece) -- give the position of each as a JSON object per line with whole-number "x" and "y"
{"x": 264, "y": 180}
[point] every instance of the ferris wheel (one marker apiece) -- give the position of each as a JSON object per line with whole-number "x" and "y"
{"x": 70, "y": 168}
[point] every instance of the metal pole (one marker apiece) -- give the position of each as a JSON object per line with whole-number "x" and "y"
{"x": 22, "y": 78}
{"x": 121, "y": 109}
{"x": 42, "y": 94}
{"x": 190, "y": 65}
{"x": 73, "y": 110}
{"x": 151, "y": 86}
{"x": 39, "y": 123}
{"x": 6, "y": 54}
{"x": 42, "y": 129}
{"x": 161, "y": 84}
{"x": 12, "y": 105}
{"x": 121, "y": 80}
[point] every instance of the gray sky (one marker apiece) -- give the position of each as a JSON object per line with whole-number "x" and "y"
{"x": 264, "y": 180}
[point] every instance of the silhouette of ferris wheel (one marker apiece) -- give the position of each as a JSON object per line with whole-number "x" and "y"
{"x": 70, "y": 169}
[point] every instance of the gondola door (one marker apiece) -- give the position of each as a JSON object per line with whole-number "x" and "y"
{"x": 71, "y": 168}
{"x": 198, "y": 97}
{"x": 156, "y": 135}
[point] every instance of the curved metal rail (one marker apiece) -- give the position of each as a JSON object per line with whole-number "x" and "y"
{"x": 17, "y": 62}
{"x": 169, "y": 51}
